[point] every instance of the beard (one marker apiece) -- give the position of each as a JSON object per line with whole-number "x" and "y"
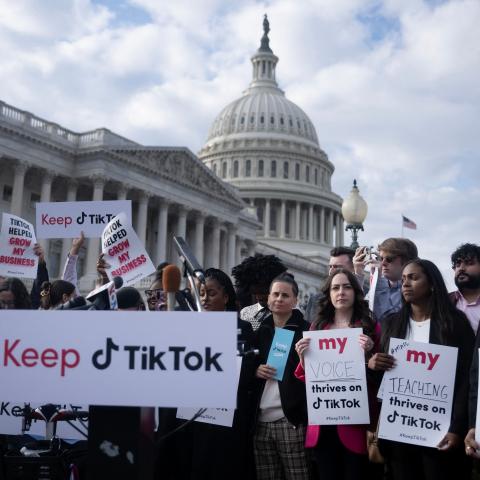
{"x": 469, "y": 281}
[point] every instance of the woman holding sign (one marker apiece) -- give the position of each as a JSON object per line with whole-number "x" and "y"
{"x": 340, "y": 451}
{"x": 282, "y": 413}
{"x": 428, "y": 316}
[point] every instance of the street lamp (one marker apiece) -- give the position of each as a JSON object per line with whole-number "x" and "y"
{"x": 354, "y": 211}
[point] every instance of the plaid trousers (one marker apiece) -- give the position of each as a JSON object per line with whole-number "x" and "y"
{"x": 279, "y": 451}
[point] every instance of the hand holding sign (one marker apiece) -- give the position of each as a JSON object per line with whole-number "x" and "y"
{"x": 300, "y": 347}
{"x": 381, "y": 362}
{"x": 472, "y": 448}
{"x": 449, "y": 441}
{"x": 266, "y": 372}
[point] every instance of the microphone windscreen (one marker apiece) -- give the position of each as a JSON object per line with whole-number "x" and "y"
{"x": 118, "y": 282}
{"x": 171, "y": 278}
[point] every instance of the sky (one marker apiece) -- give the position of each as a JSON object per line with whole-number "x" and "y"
{"x": 392, "y": 87}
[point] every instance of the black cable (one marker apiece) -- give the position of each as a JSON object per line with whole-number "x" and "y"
{"x": 76, "y": 428}
{"x": 183, "y": 425}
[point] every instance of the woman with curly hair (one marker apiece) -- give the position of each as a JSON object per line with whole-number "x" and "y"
{"x": 341, "y": 451}
{"x": 252, "y": 282}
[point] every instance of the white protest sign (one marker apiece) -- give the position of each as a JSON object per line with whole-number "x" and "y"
{"x": 335, "y": 378}
{"x": 68, "y": 219}
{"x": 11, "y": 421}
{"x": 418, "y": 393}
{"x": 17, "y": 239}
{"x": 124, "y": 252}
{"x": 111, "y": 293}
{"x": 119, "y": 358}
{"x": 214, "y": 416}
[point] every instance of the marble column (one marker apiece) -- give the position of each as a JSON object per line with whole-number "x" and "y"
{"x": 16, "y": 203}
{"x": 198, "y": 244}
{"x": 94, "y": 243}
{"x": 142, "y": 217}
{"x": 330, "y": 226}
{"x": 238, "y": 251}
{"x": 337, "y": 229}
{"x": 67, "y": 242}
{"x": 215, "y": 246}
{"x": 231, "y": 247}
{"x": 267, "y": 218}
{"x": 251, "y": 248}
{"x": 342, "y": 230}
{"x": 323, "y": 236}
{"x": 122, "y": 191}
{"x": 310, "y": 222}
{"x": 297, "y": 220}
{"x": 283, "y": 216}
{"x": 181, "y": 229}
{"x": 46, "y": 196}
{"x": 162, "y": 227}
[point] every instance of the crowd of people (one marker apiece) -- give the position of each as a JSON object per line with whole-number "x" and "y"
{"x": 270, "y": 437}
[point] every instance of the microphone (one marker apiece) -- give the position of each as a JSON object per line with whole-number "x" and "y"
{"x": 171, "y": 278}
{"x": 189, "y": 260}
{"x": 73, "y": 304}
{"x": 100, "y": 297}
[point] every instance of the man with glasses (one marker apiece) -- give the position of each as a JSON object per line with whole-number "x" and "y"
{"x": 466, "y": 266}
{"x": 393, "y": 254}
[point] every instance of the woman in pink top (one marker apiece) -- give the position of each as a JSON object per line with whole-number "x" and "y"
{"x": 341, "y": 451}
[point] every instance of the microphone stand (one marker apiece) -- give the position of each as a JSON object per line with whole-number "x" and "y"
{"x": 191, "y": 268}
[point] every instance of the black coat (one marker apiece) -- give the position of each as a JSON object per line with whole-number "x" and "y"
{"x": 292, "y": 390}
{"x": 201, "y": 451}
{"x": 461, "y": 337}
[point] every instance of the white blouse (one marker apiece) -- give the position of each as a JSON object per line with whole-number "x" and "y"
{"x": 419, "y": 331}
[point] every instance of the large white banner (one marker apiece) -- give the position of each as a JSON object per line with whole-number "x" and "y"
{"x": 418, "y": 393}
{"x": 11, "y": 421}
{"x": 335, "y": 378}
{"x": 129, "y": 358}
{"x": 68, "y": 219}
{"x": 124, "y": 252}
{"x": 17, "y": 239}
{"x": 214, "y": 416}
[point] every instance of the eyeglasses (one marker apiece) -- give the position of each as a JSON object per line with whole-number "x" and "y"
{"x": 387, "y": 259}
{"x": 157, "y": 293}
{"x": 332, "y": 267}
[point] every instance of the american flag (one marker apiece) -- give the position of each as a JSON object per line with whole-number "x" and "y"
{"x": 407, "y": 223}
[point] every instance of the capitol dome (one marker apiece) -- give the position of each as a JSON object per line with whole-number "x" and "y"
{"x": 267, "y": 147}
{"x": 263, "y": 110}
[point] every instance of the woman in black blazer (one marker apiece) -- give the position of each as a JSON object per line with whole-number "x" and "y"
{"x": 428, "y": 315}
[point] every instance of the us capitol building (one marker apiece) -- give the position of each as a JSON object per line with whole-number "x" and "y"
{"x": 261, "y": 183}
